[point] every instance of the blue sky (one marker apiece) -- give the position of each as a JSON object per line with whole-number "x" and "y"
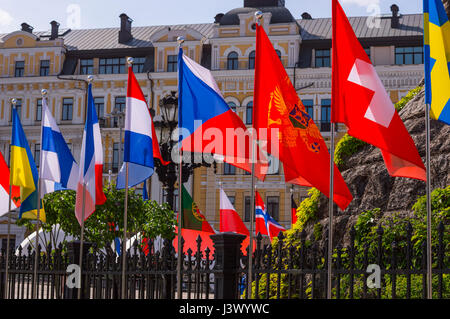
{"x": 105, "y": 13}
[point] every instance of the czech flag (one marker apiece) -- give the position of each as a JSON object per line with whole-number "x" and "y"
{"x": 208, "y": 125}
{"x": 24, "y": 172}
{"x": 91, "y": 165}
{"x": 265, "y": 224}
{"x": 140, "y": 144}
{"x": 4, "y": 189}
{"x": 57, "y": 162}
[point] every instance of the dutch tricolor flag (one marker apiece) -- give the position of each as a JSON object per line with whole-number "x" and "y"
{"x": 91, "y": 165}
{"x": 140, "y": 144}
{"x": 265, "y": 224}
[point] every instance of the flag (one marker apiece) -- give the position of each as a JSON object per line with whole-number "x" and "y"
{"x": 229, "y": 218}
{"x": 437, "y": 59}
{"x": 265, "y": 224}
{"x": 360, "y": 101}
{"x": 293, "y": 210}
{"x": 140, "y": 144}
{"x": 57, "y": 163}
{"x": 208, "y": 124}
{"x": 4, "y": 189}
{"x": 192, "y": 218}
{"x": 24, "y": 172}
{"x": 91, "y": 164}
{"x": 144, "y": 192}
{"x": 292, "y": 135}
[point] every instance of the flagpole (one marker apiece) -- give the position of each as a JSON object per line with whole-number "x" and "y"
{"x": 429, "y": 216}
{"x": 13, "y": 102}
{"x": 180, "y": 41}
{"x": 80, "y": 258}
{"x": 38, "y": 214}
{"x": 330, "y": 216}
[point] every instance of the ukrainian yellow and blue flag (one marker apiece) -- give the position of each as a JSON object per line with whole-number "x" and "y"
{"x": 23, "y": 172}
{"x": 437, "y": 59}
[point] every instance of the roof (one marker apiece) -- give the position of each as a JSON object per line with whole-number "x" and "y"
{"x": 320, "y": 29}
{"x": 279, "y": 15}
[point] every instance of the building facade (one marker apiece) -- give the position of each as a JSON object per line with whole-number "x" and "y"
{"x": 59, "y": 60}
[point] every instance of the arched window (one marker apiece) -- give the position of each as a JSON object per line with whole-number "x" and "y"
{"x": 251, "y": 60}
{"x": 278, "y": 53}
{"x": 249, "y": 113}
{"x": 232, "y": 105}
{"x": 232, "y": 61}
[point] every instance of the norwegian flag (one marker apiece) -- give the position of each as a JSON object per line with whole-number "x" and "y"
{"x": 360, "y": 101}
{"x": 265, "y": 224}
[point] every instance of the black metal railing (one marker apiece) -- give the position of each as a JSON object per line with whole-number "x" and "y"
{"x": 280, "y": 270}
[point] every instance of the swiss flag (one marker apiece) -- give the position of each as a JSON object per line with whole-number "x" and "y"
{"x": 360, "y": 100}
{"x": 229, "y": 218}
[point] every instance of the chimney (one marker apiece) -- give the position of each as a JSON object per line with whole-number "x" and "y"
{"x": 218, "y": 17}
{"x": 395, "y": 17}
{"x": 27, "y": 28}
{"x": 125, "y": 29}
{"x": 306, "y": 16}
{"x": 55, "y": 30}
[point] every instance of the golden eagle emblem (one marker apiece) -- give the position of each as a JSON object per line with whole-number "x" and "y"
{"x": 293, "y": 121}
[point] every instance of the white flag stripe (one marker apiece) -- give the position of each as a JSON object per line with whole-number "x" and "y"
{"x": 202, "y": 73}
{"x": 137, "y": 117}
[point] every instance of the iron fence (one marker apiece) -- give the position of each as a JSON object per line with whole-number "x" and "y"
{"x": 280, "y": 270}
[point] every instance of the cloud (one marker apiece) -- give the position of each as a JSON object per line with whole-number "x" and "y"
{"x": 362, "y": 3}
{"x": 6, "y": 21}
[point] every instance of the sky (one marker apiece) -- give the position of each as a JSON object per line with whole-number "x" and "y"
{"x": 85, "y": 14}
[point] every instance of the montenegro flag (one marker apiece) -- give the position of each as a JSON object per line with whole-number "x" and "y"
{"x": 280, "y": 120}
{"x": 24, "y": 173}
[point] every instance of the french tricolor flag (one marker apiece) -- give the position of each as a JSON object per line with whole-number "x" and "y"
{"x": 265, "y": 224}
{"x": 57, "y": 162}
{"x": 91, "y": 165}
{"x": 141, "y": 144}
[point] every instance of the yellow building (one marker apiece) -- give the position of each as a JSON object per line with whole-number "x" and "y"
{"x": 60, "y": 60}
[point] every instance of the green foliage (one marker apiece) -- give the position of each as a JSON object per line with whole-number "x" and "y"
{"x": 408, "y": 97}
{"x": 148, "y": 217}
{"x": 347, "y": 146}
{"x": 307, "y": 209}
{"x": 318, "y": 228}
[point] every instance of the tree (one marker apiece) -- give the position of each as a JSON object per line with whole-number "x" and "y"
{"x": 100, "y": 228}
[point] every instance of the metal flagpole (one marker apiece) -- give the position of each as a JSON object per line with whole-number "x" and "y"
{"x": 429, "y": 216}
{"x": 125, "y": 217}
{"x": 38, "y": 214}
{"x": 180, "y": 41}
{"x": 13, "y": 102}
{"x": 330, "y": 216}
{"x": 80, "y": 258}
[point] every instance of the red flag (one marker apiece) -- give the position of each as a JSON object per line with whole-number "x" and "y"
{"x": 299, "y": 144}
{"x": 293, "y": 210}
{"x": 360, "y": 100}
{"x": 4, "y": 189}
{"x": 229, "y": 218}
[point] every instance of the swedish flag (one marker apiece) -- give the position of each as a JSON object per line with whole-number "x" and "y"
{"x": 437, "y": 59}
{"x": 23, "y": 172}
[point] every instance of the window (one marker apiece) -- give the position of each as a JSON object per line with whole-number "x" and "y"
{"x": 119, "y": 104}
{"x": 115, "y": 163}
{"x": 37, "y": 154}
{"x": 367, "y": 50}
{"x": 232, "y": 106}
{"x": 278, "y": 52}
{"x": 86, "y": 66}
{"x": 232, "y": 61}
{"x": 18, "y": 109}
{"x": 38, "y": 109}
{"x": 273, "y": 206}
{"x": 172, "y": 63}
{"x": 99, "y": 106}
{"x": 409, "y": 55}
{"x": 12, "y": 243}
{"x": 251, "y": 60}
{"x": 323, "y": 58}
{"x": 232, "y": 199}
{"x": 247, "y": 208}
{"x": 112, "y": 66}
{"x": 44, "y": 69}
{"x": 19, "y": 69}
{"x": 67, "y": 109}
{"x": 309, "y": 107}
{"x": 325, "y": 115}
{"x": 138, "y": 64}
{"x": 274, "y": 165}
{"x": 229, "y": 169}
{"x": 249, "y": 113}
